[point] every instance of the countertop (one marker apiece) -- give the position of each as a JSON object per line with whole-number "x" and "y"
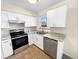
{"x": 54, "y": 36}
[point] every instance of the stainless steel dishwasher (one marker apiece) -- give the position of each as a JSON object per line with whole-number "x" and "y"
{"x": 50, "y": 47}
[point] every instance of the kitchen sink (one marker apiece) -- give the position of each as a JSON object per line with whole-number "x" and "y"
{"x": 41, "y": 32}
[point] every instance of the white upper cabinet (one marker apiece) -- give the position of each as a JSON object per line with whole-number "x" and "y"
{"x": 21, "y": 18}
{"x": 30, "y": 21}
{"x": 27, "y": 21}
{"x": 13, "y": 17}
{"x": 57, "y": 17}
{"x": 4, "y": 20}
{"x": 33, "y": 21}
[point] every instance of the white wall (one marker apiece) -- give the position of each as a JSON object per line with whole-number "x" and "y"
{"x": 71, "y": 41}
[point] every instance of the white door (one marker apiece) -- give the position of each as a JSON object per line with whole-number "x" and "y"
{"x": 7, "y": 48}
{"x": 4, "y": 20}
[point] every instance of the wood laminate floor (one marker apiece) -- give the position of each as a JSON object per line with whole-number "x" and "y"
{"x": 22, "y": 53}
{"x": 32, "y": 52}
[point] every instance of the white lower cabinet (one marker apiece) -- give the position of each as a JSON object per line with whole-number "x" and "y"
{"x": 36, "y": 39}
{"x": 7, "y": 48}
{"x": 31, "y": 39}
{"x": 39, "y": 41}
{"x": 60, "y": 48}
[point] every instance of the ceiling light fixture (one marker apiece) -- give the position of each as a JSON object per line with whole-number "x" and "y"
{"x": 33, "y": 1}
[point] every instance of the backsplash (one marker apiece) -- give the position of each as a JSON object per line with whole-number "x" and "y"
{"x": 29, "y": 29}
{"x": 16, "y": 25}
{"x": 58, "y": 30}
{"x": 51, "y": 29}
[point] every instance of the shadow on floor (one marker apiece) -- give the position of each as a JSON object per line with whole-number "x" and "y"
{"x": 66, "y": 57}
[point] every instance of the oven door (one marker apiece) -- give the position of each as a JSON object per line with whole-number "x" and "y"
{"x": 19, "y": 42}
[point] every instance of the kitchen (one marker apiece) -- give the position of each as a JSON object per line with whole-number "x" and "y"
{"x": 45, "y": 25}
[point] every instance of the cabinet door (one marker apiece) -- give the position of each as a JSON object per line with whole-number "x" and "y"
{"x": 33, "y": 21}
{"x": 39, "y": 41}
{"x": 30, "y": 21}
{"x": 7, "y": 48}
{"x": 30, "y": 39}
{"x": 12, "y": 16}
{"x": 2, "y": 55}
{"x": 20, "y": 18}
{"x": 57, "y": 17}
{"x": 4, "y": 20}
{"x": 50, "y": 17}
{"x": 27, "y": 21}
{"x": 35, "y": 39}
{"x": 60, "y": 16}
{"x": 60, "y": 48}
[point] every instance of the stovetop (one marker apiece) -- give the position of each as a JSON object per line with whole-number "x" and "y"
{"x": 13, "y": 36}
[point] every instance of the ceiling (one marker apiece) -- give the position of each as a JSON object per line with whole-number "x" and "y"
{"x": 43, "y": 4}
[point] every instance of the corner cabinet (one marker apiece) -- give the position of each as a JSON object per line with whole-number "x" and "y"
{"x": 36, "y": 39}
{"x": 30, "y": 21}
{"x": 7, "y": 48}
{"x": 57, "y": 17}
{"x": 4, "y": 20}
